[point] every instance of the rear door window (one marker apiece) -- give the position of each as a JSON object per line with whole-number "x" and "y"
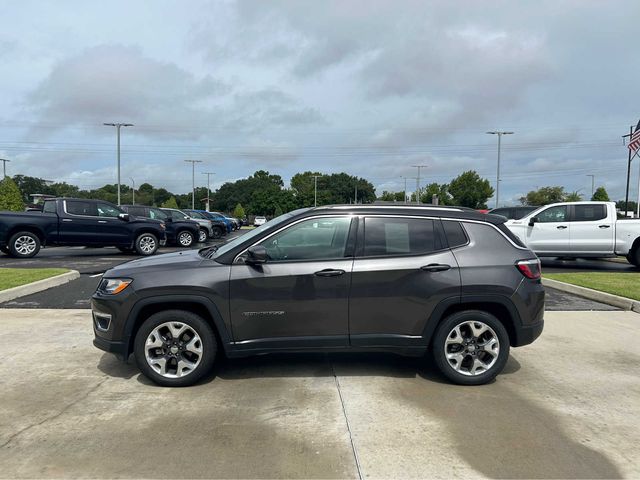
{"x": 589, "y": 213}
{"x": 400, "y": 236}
{"x": 77, "y": 207}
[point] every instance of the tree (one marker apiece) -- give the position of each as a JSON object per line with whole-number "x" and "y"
{"x": 469, "y": 190}
{"x": 632, "y": 205}
{"x": 544, "y": 196}
{"x": 441, "y": 190}
{"x": 238, "y": 212}
{"x": 600, "y": 195}
{"x": 30, "y": 185}
{"x": 392, "y": 196}
{"x": 10, "y": 196}
{"x": 278, "y": 211}
{"x": 572, "y": 197}
{"x": 170, "y": 203}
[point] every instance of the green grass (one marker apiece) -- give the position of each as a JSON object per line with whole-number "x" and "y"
{"x": 14, "y": 277}
{"x": 622, "y": 284}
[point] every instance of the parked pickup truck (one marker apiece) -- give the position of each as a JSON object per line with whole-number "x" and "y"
{"x": 579, "y": 230}
{"x": 71, "y": 221}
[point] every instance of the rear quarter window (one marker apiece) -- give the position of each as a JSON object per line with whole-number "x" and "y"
{"x": 510, "y": 235}
{"x": 454, "y": 231}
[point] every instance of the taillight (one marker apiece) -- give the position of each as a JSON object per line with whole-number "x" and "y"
{"x": 530, "y": 268}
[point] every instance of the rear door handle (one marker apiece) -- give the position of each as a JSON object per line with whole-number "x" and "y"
{"x": 561, "y": 227}
{"x": 102, "y": 221}
{"x": 604, "y": 226}
{"x": 67, "y": 220}
{"x": 435, "y": 267}
{"x": 329, "y": 272}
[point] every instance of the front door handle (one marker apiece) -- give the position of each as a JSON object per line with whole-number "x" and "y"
{"x": 329, "y": 272}
{"x": 67, "y": 220}
{"x": 604, "y": 226}
{"x": 435, "y": 267}
{"x": 102, "y": 221}
{"x": 561, "y": 227}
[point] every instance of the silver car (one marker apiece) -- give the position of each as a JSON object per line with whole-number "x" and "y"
{"x": 206, "y": 227}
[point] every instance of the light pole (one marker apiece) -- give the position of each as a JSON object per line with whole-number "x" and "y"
{"x": 4, "y": 167}
{"x": 133, "y": 191}
{"x": 499, "y": 133}
{"x": 315, "y": 189}
{"x": 193, "y": 182}
{"x": 593, "y": 178}
{"x": 418, "y": 181}
{"x": 208, "y": 187}
{"x": 118, "y": 126}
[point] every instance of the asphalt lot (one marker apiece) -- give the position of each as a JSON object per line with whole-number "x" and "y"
{"x": 566, "y": 407}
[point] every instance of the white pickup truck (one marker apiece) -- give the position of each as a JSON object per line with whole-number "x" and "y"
{"x": 579, "y": 230}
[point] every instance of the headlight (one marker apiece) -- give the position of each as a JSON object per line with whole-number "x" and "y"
{"x": 113, "y": 286}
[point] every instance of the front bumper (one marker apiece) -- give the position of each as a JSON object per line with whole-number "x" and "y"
{"x": 119, "y": 349}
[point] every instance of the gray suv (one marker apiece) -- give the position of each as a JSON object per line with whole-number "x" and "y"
{"x": 407, "y": 280}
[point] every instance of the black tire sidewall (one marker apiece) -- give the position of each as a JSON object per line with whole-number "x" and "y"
{"x": 14, "y": 253}
{"x": 217, "y": 232}
{"x": 139, "y": 250}
{"x": 438, "y": 349}
{"x": 202, "y": 328}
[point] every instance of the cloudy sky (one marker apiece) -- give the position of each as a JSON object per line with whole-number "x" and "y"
{"x": 367, "y": 87}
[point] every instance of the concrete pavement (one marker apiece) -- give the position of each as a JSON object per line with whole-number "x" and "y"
{"x": 566, "y": 406}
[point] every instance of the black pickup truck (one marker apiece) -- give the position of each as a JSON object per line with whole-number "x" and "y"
{"x": 78, "y": 222}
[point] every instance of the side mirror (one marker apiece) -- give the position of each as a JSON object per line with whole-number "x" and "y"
{"x": 124, "y": 217}
{"x": 257, "y": 255}
{"x": 533, "y": 221}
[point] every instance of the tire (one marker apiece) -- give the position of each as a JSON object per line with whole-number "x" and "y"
{"x": 464, "y": 336}
{"x": 634, "y": 257}
{"x": 180, "y": 363}
{"x": 24, "y": 245}
{"x": 185, "y": 238}
{"x": 202, "y": 235}
{"x": 216, "y": 232}
{"x": 146, "y": 244}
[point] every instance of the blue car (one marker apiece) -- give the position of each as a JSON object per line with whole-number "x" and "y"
{"x": 217, "y": 216}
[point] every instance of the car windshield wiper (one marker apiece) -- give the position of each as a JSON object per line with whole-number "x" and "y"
{"x": 208, "y": 252}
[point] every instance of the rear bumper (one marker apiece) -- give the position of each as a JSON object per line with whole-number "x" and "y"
{"x": 528, "y": 333}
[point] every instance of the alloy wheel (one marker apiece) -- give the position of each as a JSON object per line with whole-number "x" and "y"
{"x": 25, "y": 245}
{"x": 202, "y": 236}
{"x": 147, "y": 244}
{"x": 472, "y": 348}
{"x": 185, "y": 239}
{"x": 173, "y": 349}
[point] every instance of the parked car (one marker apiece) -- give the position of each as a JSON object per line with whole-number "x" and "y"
{"x": 259, "y": 221}
{"x": 205, "y": 226}
{"x": 579, "y": 230}
{"x": 235, "y": 224}
{"x": 513, "y": 213}
{"x": 218, "y": 227}
{"x": 354, "y": 278}
{"x": 180, "y": 232}
{"x": 78, "y": 221}
{"x": 216, "y": 216}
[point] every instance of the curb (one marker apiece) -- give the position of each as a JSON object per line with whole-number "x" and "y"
{"x": 595, "y": 295}
{"x": 38, "y": 286}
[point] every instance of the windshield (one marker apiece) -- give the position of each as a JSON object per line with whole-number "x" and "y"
{"x": 157, "y": 214}
{"x": 256, "y": 231}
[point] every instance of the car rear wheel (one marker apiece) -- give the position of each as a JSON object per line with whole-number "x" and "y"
{"x": 471, "y": 347}
{"x": 634, "y": 257}
{"x": 175, "y": 348}
{"x": 146, "y": 244}
{"x": 202, "y": 235}
{"x": 217, "y": 232}
{"x": 185, "y": 238}
{"x": 24, "y": 245}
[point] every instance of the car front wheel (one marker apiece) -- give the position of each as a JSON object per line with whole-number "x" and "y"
{"x": 146, "y": 244}
{"x": 24, "y": 245}
{"x": 175, "y": 348}
{"x": 217, "y": 232}
{"x": 471, "y": 347}
{"x": 202, "y": 235}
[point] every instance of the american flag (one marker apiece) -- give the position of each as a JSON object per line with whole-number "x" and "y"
{"x": 634, "y": 141}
